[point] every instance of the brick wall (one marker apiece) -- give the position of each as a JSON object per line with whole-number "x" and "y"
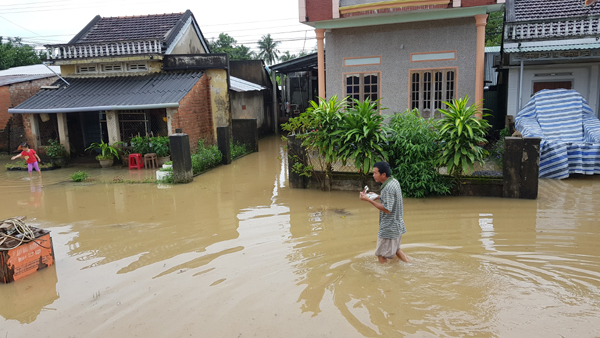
{"x": 4, "y": 105}
{"x": 194, "y": 115}
{"x": 318, "y": 10}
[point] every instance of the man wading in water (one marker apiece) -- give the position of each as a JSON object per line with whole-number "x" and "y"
{"x": 391, "y": 224}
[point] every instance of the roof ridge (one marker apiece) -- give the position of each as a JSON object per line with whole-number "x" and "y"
{"x": 140, "y": 16}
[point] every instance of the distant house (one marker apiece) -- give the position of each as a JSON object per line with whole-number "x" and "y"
{"x": 17, "y": 84}
{"x": 408, "y": 53}
{"x": 124, "y": 76}
{"x": 250, "y": 95}
{"x": 549, "y": 45}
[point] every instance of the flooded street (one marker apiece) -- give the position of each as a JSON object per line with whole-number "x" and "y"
{"x": 237, "y": 253}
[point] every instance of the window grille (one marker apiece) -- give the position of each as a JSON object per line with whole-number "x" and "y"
{"x": 142, "y": 122}
{"x": 430, "y": 88}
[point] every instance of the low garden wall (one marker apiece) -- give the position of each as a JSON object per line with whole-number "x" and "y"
{"x": 519, "y": 180}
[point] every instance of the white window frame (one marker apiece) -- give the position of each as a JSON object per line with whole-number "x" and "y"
{"x": 137, "y": 64}
{"x": 427, "y": 90}
{"x": 80, "y": 71}
{"x": 361, "y": 86}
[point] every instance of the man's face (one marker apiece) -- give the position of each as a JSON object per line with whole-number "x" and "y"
{"x": 380, "y": 178}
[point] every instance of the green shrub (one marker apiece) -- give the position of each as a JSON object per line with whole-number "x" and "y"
{"x": 160, "y": 145}
{"x": 460, "y": 134}
{"x": 238, "y": 149}
{"x": 412, "y": 154}
{"x": 55, "y": 150}
{"x": 140, "y": 145}
{"x": 79, "y": 176}
{"x": 205, "y": 157}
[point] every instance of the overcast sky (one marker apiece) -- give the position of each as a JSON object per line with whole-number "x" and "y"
{"x": 57, "y": 21}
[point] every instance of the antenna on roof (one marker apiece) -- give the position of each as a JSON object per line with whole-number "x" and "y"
{"x": 45, "y": 64}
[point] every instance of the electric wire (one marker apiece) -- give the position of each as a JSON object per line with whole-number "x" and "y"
{"x": 24, "y": 233}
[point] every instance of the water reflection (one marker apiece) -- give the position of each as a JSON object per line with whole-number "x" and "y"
{"x": 24, "y": 300}
{"x": 298, "y": 263}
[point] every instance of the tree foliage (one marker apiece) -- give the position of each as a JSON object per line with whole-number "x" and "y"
{"x": 494, "y": 28}
{"x": 227, "y": 44}
{"x": 13, "y": 53}
{"x": 268, "y": 49}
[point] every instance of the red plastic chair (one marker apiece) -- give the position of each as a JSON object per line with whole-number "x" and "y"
{"x": 135, "y": 161}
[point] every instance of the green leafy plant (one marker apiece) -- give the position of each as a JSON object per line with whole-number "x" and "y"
{"x": 460, "y": 133}
{"x": 412, "y": 153}
{"x": 238, "y": 149}
{"x": 206, "y": 157}
{"x": 169, "y": 163}
{"x": 140, "y": 145}
{"x": 79, "y": 176}
{"x": 107, "y": 151}
{"x": 166, "y": 169}
{"x": 160, "y": 145}
{"x": 22, "y": 165}
{"x": 55, "y": 150}
{"x": 362, "y": 135}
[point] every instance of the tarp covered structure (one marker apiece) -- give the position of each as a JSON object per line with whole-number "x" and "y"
{"x": 569, "y": 129}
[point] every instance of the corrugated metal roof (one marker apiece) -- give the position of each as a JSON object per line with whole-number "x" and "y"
{"x": 31, "y": 70}
{"x": 239, "y": 85}
{"x": 123, "y": 91}
{"x": 492, "y": 49}
{"x": 10, "y": 79}
{"x": 551, "y": 48}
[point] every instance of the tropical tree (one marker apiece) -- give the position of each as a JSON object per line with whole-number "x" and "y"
{"x": 494, "y": 28}
{"x": 14, "y": 53}
{"x": 286, "y": 56}
{"x": 227, "y": 44}
{"x": 268, "y": 49}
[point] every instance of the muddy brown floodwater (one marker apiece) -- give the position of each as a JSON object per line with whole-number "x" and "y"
{"x": 237, "y": 253}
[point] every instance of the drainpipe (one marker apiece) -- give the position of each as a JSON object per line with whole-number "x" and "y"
{"x": 45, "y": 64}
{"x": 520, "y": 104}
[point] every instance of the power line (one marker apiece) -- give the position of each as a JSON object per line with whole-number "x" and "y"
{"x": 18, "y": 25}
{"x": 36, "y": 2}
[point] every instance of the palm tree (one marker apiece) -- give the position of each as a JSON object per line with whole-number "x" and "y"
{"x": 286, "y": 56}
{"x": 267, "y": 48}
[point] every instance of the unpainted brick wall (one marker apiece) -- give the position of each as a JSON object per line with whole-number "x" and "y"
{"x": 194, "y": 115}
{"x": 10, "y": 96}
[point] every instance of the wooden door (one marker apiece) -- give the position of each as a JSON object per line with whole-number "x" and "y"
{"x": 537, "y": 86}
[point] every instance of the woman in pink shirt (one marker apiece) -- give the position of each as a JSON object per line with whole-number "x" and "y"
{"x": 31, "y": 157}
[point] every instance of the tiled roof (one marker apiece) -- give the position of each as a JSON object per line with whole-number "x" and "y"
{"x": 10, "y": 79}
{"x": 125, "y": 28}
{"x": 547, "y": 48}
{"x": 526, "y": 10}
{"x": 111, "y": 93}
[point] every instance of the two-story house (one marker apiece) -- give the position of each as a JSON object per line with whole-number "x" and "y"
{"x": 549, "y": 45}
{"x": 408, "y": 53}
{"x": 124, "y": 76}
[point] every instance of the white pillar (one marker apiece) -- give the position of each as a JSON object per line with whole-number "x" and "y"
{"x": 63, "y": 131}
{"x": 112, "y": 126}
{"x": 593, "y": 93}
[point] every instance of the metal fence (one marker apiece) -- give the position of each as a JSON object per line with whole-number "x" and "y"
{"x": 142, "y": 122}
{"x": 319, "y": 164}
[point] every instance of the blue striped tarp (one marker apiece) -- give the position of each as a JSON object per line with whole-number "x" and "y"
{"x": 569, "y": 129}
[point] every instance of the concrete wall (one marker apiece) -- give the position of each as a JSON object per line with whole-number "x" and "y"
{"x": 585, "y": 79}
{"x": 248, "y": 105}
{"x": 189, "y": 43}
{"x": 194, "y": 115}
{"x": 250, "y": 70}
{"x": 395, "y": 43}
{"x": 154, "y": 66}
{"x": 219, "y": 94}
